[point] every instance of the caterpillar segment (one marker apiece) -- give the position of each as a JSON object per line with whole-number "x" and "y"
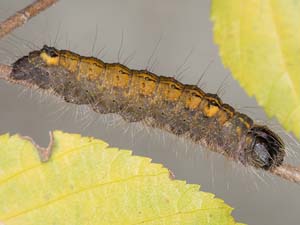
{"x": 161, "y": 102}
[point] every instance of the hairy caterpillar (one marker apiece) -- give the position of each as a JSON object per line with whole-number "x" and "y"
{"x": 158, "y": 101}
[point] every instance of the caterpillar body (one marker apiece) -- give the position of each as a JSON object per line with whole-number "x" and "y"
{"x": 159, "y": 101}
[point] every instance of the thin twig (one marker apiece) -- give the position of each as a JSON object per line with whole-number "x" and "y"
{"x": 5, "y": 71}
{"x": 286, "y": 171}
{"x": 23, "y": 16}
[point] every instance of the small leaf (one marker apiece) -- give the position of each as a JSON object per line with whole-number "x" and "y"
{"x": 260, "y": 42}
{"x": 85, "y": 182}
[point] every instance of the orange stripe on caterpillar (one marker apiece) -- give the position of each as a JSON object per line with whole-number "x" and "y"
{"x": 162, "y": 102}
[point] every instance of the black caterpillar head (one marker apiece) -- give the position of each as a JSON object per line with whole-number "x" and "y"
{"x": 264, "y": 148}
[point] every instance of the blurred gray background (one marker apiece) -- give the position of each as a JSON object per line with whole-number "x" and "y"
{"x": 184, "y": 33}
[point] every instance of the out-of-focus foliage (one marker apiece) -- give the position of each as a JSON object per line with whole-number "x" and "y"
{"x": 87, "y": 182}
{"x": 260, "y": 42}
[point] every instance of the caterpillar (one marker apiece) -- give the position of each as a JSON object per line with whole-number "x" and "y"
{"x": 158, "y": 101}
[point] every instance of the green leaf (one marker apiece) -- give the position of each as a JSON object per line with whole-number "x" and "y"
{"x": 260, "y": 42}
{"x": 85, "y": 182}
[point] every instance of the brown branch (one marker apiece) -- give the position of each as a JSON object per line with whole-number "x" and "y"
{"x": 288, "y": 172}
{"x": 23, "y": 16}
{"x": 5, "y": 71}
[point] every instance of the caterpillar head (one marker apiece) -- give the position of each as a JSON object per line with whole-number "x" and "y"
{"x": 264, "y": 148}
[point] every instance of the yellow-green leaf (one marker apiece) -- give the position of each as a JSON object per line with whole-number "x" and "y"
{"x": 85, "y": 182}
{"x": 260, "y": 42}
